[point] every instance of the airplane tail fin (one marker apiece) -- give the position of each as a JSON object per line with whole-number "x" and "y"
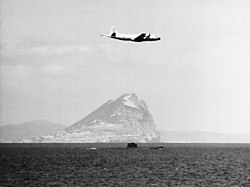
{"x": 112, "y": 32}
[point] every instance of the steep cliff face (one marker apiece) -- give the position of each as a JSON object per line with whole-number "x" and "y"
{"x": 124, "y": 120}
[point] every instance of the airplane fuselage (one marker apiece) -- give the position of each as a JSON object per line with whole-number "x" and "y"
{"x": 133, "y": 37}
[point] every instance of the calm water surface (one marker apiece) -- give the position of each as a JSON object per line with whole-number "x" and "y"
{"x": 115, "y": 165}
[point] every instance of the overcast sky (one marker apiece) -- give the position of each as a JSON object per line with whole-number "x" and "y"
{"x": 55, "y": 66}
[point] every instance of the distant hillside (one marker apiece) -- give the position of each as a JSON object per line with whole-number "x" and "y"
{"x": 204, "y": 137}
{"x": 27, "y": 130}
{"x": 126, "y": 119}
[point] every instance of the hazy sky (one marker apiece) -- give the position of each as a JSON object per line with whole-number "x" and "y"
{"x": 55, "y": 65}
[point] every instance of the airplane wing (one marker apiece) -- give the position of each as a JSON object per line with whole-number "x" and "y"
{"x": 140, "y": 37}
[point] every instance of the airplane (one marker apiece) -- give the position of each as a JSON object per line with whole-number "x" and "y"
{"x": 143, "y": 37}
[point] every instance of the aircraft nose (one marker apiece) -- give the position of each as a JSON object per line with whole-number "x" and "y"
{"x": 159, "y": 38}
